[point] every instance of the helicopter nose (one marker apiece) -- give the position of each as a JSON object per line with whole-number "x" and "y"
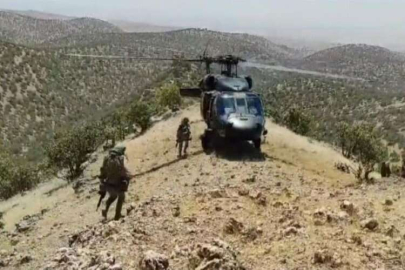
{"x": 243, "y": 124}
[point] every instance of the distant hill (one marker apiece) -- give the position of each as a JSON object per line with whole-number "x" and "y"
{"x": 135, "y": 27}
{"x": 189, "y": 42}
{"x": 305, "y": 46}
{"x": 40, "y": 15}
{"x": 373, "y": 63}
{"x": 27, "y": 30}
{"x": 41, "y": 91}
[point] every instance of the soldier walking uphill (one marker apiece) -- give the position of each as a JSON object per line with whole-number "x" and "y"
{"x": 114, "y": 180}
{"x": 183, "y": 136}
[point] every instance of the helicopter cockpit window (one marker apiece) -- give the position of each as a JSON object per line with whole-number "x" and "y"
{"x": 241, "y": 105}
{"x": 226, "y": 106}
{"x": 254, "y": 106}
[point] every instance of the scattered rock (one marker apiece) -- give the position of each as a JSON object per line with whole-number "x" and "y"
{"x": 343, "y": 167}
{"x": 277, "y": 204}
{"x": 251, "y": 179}
{"x": 25, "y": 259}
{"x": 153, "y": 261}
{"x": 348, "y": 207}
{"x": 115, "y": 267}
{"x": 258, "y": 197}
{"x": 79, "y": 185}
{"x": 176, "y": 211}
{"x": 130, "y": 208}
{"x": 370, "y": 224}
{"x": 357, "y": 239}
{"x": 233, "y": 226}
{"x": 28, "y": 223}
{"x": 243, "y": 192}
{"x": 322, "y": 257}
{"x": 217, "y": 255}
{"x": 252, "y": 234}
{"x": 388, "y": 202}
{"x": 391, "y": 231}
{"x": 289, "y": 231}
{"x": 216, "y": 194}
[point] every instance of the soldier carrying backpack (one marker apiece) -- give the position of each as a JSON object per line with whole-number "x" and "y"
{"x": 114, "y": 180}
{"x": 183, "y": 136}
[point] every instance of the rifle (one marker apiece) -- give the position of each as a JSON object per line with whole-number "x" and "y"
{"x": 102, "y": 195}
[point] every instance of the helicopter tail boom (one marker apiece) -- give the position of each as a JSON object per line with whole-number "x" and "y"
{"x": 190, "y": 92}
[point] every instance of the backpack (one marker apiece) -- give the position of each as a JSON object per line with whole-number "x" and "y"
{"x": 183, "y": 133}
{"x": 114, "y": 169}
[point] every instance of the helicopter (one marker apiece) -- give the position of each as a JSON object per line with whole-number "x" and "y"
{"x": 229, "y": 107}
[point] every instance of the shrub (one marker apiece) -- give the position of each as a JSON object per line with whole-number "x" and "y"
{"x": 70, "y": 149}
{"x": 119, "y": 124}
{"x": 169, "y": 96}
{"x": 298, "y": 121}
{"x": 394, "y": 157}
{"x": 140, "y": 114}
{"x": 362, "y": 142}
{"x": 16, "y": 176}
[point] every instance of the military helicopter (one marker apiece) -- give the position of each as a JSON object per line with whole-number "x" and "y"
{"x": 229, "y": 107}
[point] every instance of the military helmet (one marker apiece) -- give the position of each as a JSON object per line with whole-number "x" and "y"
{"x": 185, "y": 121}
{"x": 119, "y": 150}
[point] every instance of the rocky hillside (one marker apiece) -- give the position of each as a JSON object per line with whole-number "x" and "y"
{"x": 27, "y": 30}
{"x": 190, "y": 42}
{"x": 328, "y": 101}
{"x": 41, "y": 91}
{"x": 286, "y": 209}
{"x": 376, "y": 64}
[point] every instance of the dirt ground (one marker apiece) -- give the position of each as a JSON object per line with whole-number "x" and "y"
{"x": 287, "y": 208}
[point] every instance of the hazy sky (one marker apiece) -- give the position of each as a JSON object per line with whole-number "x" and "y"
{"x": 374, "y": 21}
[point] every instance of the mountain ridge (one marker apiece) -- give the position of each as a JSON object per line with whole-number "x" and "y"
{"x": 26, "y": 30}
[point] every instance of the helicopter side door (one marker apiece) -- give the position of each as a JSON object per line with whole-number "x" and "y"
{"x": 212, "y": 112}
{"x": 205, "y": 106}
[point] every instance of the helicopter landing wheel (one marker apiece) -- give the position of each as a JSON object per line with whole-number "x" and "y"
{"x": 206, "y": 141}
{"x": 257, "y": 143}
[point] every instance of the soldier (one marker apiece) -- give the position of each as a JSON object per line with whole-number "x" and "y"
{"x": 183, "y": 136}
{"x": 114, "y": 178}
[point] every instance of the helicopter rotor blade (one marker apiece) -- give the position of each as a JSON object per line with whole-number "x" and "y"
{"x": 115, "y": 57}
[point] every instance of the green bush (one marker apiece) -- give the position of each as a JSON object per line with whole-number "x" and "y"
{"x": 140, "y": 114}
{"x": 16, "y": 176}
{"x": 394, "y": 157}
{"x": 168, "y": 96}
{"x": 363, "y": 143}
{"x": 70, "y": 149}
{"x": 298, "y": 121}
{"x": 119, "y": 123}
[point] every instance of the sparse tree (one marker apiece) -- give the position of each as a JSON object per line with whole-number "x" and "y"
{"x": 298, "y": 121}
{"x": 70, "y": 149}
{"x": 140, "y": 114}
{"x": 169, "y": 96}
{"x": 362, "y": 142}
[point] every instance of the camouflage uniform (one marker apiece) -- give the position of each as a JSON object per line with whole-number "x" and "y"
{"x": 183, "y": 136}
{"x": 114, "y": 179}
